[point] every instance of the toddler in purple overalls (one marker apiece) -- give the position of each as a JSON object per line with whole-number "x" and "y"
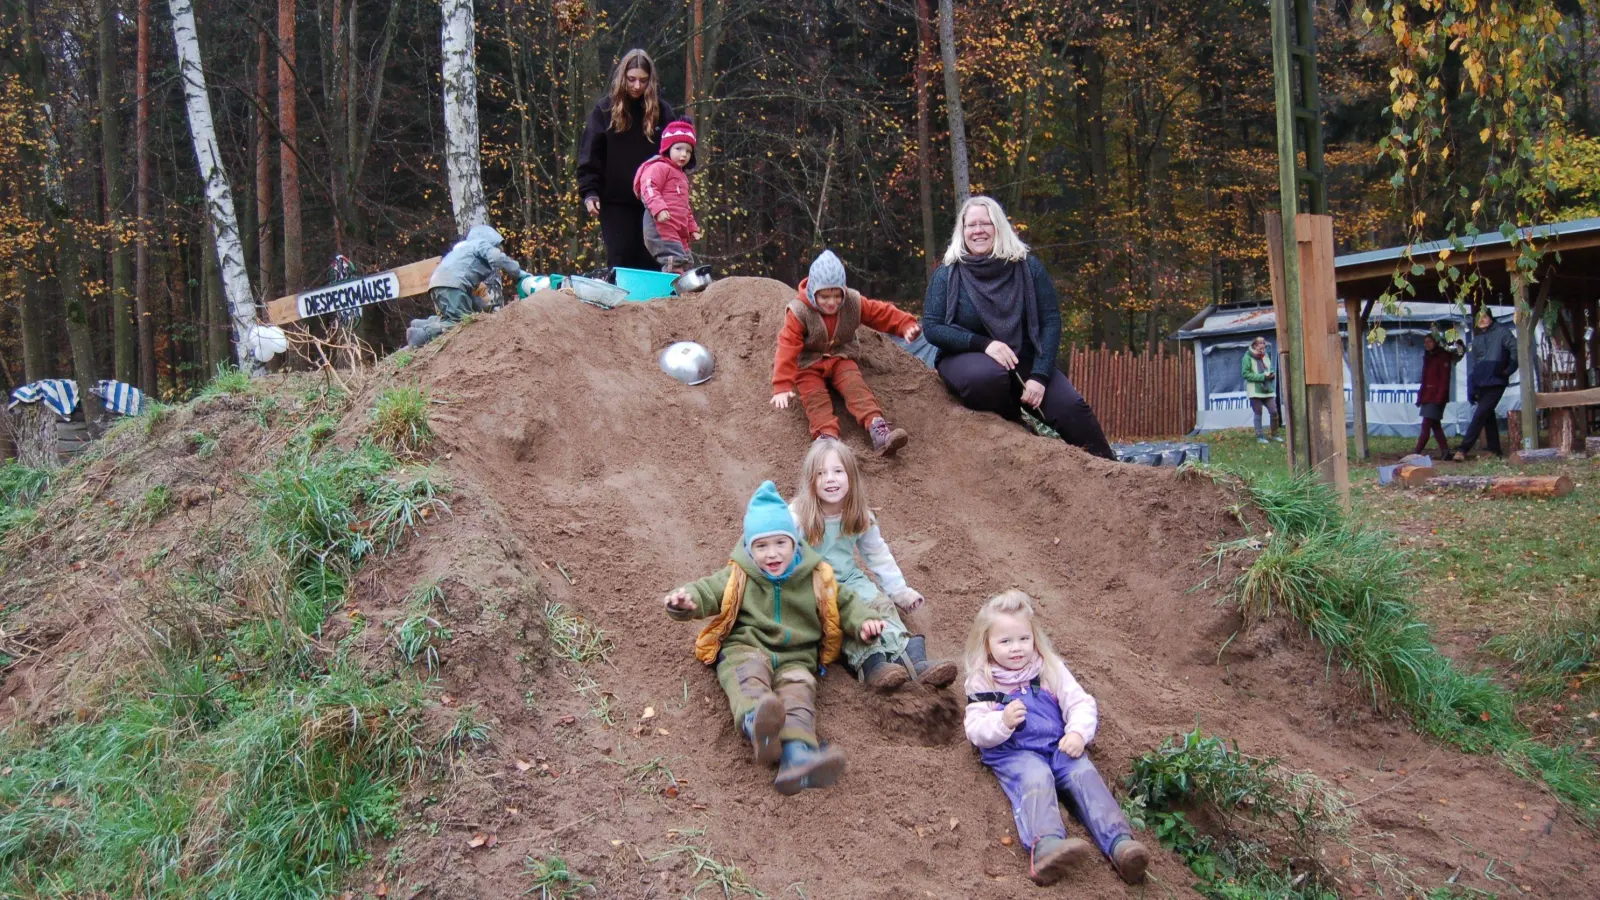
{"x": 1031, "y": 722}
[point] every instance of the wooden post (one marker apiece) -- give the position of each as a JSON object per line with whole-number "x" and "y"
{"x": 1286, "y": 283}
{"x": 1525, "y": 357}
{"x": 1357, "y": 329}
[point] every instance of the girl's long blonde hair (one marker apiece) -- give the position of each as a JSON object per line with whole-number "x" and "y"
{"x": 855, "y": 517}
{"x": 1007, "y": 245}
{"x": 976, "y": 658}
{"x": 620, "y": 120}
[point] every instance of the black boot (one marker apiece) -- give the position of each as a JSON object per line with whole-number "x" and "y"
{"x": 938, "y": 672}
{"x": 884, "y": 676}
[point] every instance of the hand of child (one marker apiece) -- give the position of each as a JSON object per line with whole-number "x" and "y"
{"x": 907, "y": 599}
{"x": 781, "y": 401}
{"x": 1071, "y": 744}
{"x": 696, "y": 236}
{"x": 664, "y": 216}
{"x": 679, "y": 600}
{"x": 1014, "y": 715}
{"x": 912, "y": 332}
{"x": 870, "y": 629}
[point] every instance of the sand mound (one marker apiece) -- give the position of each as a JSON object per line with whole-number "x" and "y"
{"x": 585, "y": 476}
{"x": 633, "y": 483}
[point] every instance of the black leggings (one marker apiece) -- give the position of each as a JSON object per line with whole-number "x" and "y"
{"x": 622, "y": 230}
{"x": 981, "y": 383}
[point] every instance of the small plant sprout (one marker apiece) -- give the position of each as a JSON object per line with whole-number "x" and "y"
{"x": 419, "y": 635}
{"x": 730, "y": 880}
{"x": 400, "y": 420}
{"x": 204, "y": 444}
{"x": 572, "y": 637}
{"x": 550, "y": 879}
{"x": 467, "y": 731}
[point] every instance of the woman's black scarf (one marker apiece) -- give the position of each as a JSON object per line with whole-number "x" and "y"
{"x": 1002, "y": 293}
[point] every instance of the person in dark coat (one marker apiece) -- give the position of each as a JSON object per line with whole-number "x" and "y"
{"x": 1438, "y": 365}
{"x": 1491, "y": 361}
{"x": 620, "y": 135}
{"x": 993, "y": 313}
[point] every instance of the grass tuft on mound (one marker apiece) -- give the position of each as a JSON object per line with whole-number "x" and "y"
{"x": 1352, "y": 588}
{"x": 238, "y": 758}
{"x": 400, "y": 420}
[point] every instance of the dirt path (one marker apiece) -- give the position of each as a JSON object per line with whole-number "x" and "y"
{"x": 592, "y": 459}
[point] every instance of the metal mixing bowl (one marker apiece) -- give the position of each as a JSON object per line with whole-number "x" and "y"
{"x": 693, "y": 281}
{"x": 688, "y": 362}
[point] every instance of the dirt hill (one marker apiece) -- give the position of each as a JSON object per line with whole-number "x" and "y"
{"x": 584, "y": 476}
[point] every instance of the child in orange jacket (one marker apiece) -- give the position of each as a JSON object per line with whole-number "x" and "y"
{"x": 817, "y": 347}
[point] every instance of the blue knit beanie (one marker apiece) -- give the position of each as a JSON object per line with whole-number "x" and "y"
{"x": 768, "y": 516}
{"x": 826, "y": 272}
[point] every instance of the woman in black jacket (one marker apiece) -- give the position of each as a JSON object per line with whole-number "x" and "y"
{"x": 993, "y": 312}
{"x": 620, "y": 135}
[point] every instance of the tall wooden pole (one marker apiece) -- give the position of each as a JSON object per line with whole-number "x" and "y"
{"x": 1289, "y": 204}
{"x": 288, "y": 144}
{"x": 1526, "y": 363}
{"x": 1357, "y": 330}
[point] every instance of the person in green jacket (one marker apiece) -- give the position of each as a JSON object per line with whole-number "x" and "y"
{"x": 777, "y": 615}
{"x": 1261, "y": 386}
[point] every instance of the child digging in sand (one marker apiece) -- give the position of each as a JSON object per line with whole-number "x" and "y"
{"x": 817, "y": 347}
{"x": 1032, "y": 722}
{"x": 831, "y": 511}
{"x": 778, "y": 613}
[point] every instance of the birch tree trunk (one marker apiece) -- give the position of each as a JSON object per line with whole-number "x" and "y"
{"x": 460, "y": 71}
{"x": 288, "y": 144}
{"x": 461, "y": 163}
{"x": 122, "y": 343}
{"x": 961, "y": 176}
{"x": 219, "y": 198}
{"x": 146, "y": 325}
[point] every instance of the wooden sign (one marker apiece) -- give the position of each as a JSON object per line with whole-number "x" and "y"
{"x": 405, "y": 281}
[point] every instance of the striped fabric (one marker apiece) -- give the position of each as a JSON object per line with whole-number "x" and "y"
{"x": 59, "y": 394}
{"x": 124, "y": 399}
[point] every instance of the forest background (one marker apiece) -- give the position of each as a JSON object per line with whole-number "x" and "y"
{"x": 1133, "y": 142}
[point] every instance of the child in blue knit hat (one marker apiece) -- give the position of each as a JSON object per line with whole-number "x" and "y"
{"x": 777, "y": 614}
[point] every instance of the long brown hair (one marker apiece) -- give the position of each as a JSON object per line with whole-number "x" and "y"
{"x": 855, "y": 518}
{"x": 620, "y": 120}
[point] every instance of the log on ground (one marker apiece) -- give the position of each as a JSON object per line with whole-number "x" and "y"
{"x": 1504, "y": 485}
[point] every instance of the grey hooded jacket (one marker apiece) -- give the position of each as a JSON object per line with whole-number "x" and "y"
{"x": 1491, "y": 359}
{"x": 472, "y": 260}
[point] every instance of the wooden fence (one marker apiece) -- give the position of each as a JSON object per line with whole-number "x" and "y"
{"x": 1137, "y": 395}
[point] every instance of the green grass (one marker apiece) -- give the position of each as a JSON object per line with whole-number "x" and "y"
{"x": 204, "y": 444}
{"x": 1263, "y": 821}
{"x": 400, "y": 420}
{"x": 573, "y": 637}
{"x": 550, "y": 879}
{"x": 236, "y": 761}
{"x": 228, "y": 380}
{"x": 729, "y": 881}
{"x": 1556, "y": 653}
{"x": 419, "y": 635}
{"x": 20, "y": 489}
{"x": 1353, "y": 589}
{"x": 151, "y": 508}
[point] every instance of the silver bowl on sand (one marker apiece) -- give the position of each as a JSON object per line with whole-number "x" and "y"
{"x": 688, "y": 362}
{"x": 693, "y": 281}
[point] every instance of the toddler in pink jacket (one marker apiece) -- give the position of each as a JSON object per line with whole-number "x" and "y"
{"x": 662, "y": 185}
{"x": 1032, "y": 723}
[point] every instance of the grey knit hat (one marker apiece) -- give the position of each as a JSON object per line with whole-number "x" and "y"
{"x": 826, "y": 272}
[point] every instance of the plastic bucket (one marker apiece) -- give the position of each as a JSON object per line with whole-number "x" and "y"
{"x": 642, "y": 284}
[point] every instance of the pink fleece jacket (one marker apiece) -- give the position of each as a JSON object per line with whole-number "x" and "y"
{"x": 985, "y": 728}
{"x": 661, "y": 185}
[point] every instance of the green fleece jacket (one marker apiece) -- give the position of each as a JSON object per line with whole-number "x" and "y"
{"x": 777, "y": 618}
{"x": 1255, "y": 371}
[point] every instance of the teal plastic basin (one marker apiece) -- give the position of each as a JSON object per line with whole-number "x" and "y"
{"x": 642, "y": 284}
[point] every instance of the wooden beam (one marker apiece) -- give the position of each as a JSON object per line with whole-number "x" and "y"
{"x": 1529, "y": 413}
{"x": 1469, "y": 258}
{"x": 1358, "y": 372}
{"x": 1567, "y": 399}
{"x": 412, "y": 278}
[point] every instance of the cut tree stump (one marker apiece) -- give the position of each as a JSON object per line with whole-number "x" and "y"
{"x": 1414, "y": 476}
{"x": 1504, "y": 485}
{"x": 1543, "y": 454}
{"x": 1564, "y": 433}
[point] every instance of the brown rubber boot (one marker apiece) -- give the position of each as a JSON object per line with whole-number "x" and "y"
{"x": 940, "y": 673}
{"x": 886, "y": 439}
{"x": 884, "y": 676}
{"x": 763, "y": 726}
{"x": 1053, "y": 857}
{"x": 1130, "y": 859}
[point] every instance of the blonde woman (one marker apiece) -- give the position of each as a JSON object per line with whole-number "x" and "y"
{"x": 620, "y": 135}
{"x": 1032, "y": 724}
{"x": 830, "y": 509}
{"x": 993, "y": 313}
